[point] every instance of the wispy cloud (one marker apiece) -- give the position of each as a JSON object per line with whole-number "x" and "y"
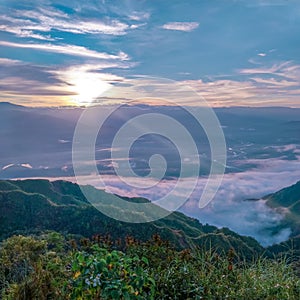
{"x": 34, "y": 23}
{"x": 275, "y": 83}
{"x": 21, "y": 32}
{"x": 139, "y": 16}
{"x": 262, "y": 86}
{"x": 24, "y": 165}
{"x": 7, "y": 166}
{"x": 8, "y": 61}
{"x": 181, "y": 26}
{"x": 285, "y": 69}
{"x": 67, "y": 49}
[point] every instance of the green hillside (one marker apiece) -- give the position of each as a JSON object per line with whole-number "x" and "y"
{"x": 287, "y": 201}
{"x": 288, "y": 197}
{"x": 33, "y": 206}
{"x": 56, "y": 245}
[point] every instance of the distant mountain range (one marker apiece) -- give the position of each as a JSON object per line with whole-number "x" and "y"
{"x": 42, "y": 137}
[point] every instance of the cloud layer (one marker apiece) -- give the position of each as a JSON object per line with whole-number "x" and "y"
{"x": 230, "y": 207}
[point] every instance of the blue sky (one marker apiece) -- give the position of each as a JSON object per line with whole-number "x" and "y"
{"x": 231, "y": 52}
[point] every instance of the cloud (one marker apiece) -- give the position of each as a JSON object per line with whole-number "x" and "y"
{"x": 86, "y": 82}
{"x": 272, "y": 82}
{"x": 250, "y": 217}
{"x": 266, "y": 3}
{"x": 229, "y": 207}
{"x": 24, "y": 165}
{"x": 25, "y": 23}
{"x": 139, "y": 16}
{"x": 28, "y": 166}
{"x": 29, "y": 80}
{"x": 57, "y": 85}
{"x": 7, "y": 166}
{"x": 251, "y": 91}
{"x": 262, "y": 54}
{"x": 67, "y": 49}
{"x": 181, "y": 26}
{"x": 262, "y": 86}
{"x": 9, "y": 62}
{"x": 39, "y": 20}
{"x": 21, "y": 32}
{"x": 285, "y": 69}
{"x": 63, "y": 141}
{"x": 294, "y": 148}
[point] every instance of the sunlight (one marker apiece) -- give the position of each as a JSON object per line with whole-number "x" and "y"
{"x": 84, "y": 83}
{"x": 87, "y": 87}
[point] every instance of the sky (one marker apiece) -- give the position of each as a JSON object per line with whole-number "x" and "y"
{"x": 232, "y": 53}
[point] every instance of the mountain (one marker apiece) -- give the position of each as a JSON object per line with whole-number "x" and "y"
{"x": 32, "y": 206}
{"x": 8, "y": 105}
{"x": 287, "y": 201}
{"x": 36, "y": 136}
{"x": 42, "y": 137}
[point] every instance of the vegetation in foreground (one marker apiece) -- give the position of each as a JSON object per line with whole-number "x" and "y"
{"x": 51, "y": 266}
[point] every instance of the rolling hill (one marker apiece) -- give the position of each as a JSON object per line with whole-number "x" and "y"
{"x": 33, "y": 206}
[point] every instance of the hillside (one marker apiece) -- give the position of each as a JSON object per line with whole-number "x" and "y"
{"x": 33, "y": 206}
{"x": 92, "y": 256}
{"x": 287, "y": 201}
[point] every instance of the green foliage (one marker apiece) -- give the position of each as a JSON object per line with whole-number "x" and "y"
{"x": 16, "y": 257}
{"x": 208, "y": 274}
{"x": 30, "y": 269}
{"x": 187, "y": 260}
{"x": 110, "y": 275}
{"x": 51, "y": 267}
{"x": 30, "y": 206}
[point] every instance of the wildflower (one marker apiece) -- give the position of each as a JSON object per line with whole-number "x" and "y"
{"x": 96, "y": 282}
{"x": 77, "y": 274}
{"x": 87, "y": 282}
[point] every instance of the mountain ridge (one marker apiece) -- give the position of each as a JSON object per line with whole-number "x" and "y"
{"x": 287, "y": 201}
{"x": 35, "y": 205}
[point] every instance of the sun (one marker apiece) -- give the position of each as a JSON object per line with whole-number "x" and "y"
{"x": 84, "y": 83}
{"x": 87, "y": 87}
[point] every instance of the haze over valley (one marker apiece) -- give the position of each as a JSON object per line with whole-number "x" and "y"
{"x": 263, "y": 151}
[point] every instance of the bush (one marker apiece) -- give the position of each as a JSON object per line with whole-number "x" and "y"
{"x": 105, "y": 274}
{"x": 46, "y": 268}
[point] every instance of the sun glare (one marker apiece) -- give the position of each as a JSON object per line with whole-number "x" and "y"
{"x": 88, "y": 87}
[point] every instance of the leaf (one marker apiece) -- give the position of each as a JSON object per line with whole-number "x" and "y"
{"x": 145, "y": 260}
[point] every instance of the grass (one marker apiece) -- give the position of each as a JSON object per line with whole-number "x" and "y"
{"x": 51, "y": 266}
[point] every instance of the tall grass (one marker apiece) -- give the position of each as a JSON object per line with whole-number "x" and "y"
{"x": 51, "y": 267}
